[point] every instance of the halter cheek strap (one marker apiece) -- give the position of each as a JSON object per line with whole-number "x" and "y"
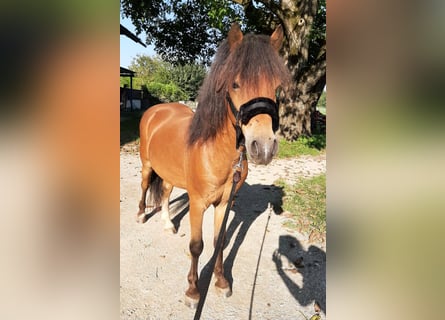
{"x": 251, "y": 109}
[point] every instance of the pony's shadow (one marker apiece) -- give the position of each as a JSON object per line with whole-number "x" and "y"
{"x": 179, "y": 206}
{"x": 310, "y": 263}
{"x": 251, "y": 202}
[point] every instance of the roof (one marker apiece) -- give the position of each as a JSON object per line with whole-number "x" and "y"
{"x": 127, "y": 72}
{"x": 130, "y": 35}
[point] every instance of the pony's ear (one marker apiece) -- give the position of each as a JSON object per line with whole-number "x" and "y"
{"x": 276, "y": 39}
{"x": 235, "y": 36}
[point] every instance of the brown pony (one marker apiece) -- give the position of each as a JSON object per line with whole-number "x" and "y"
{"x": 197, "y": 151}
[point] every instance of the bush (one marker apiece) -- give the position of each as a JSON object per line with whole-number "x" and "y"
{"x": 166, "y": 92}
{"x": 166, "y": 81}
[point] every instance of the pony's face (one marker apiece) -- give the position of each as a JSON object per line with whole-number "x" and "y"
{"x": 260, "y": 140}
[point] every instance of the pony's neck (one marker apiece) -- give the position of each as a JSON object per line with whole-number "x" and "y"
{"x": 227, "y": 138}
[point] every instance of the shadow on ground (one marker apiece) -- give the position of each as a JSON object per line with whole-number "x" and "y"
{"x": 311, "y": 264}
{"x": 179, "y": 207}
{"x": 129, "y": 126}
{"x": 250, "y": 203}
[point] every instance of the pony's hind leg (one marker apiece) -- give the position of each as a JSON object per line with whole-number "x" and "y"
{"x": 141, "y": 217}
{"x": 165, "y": 213}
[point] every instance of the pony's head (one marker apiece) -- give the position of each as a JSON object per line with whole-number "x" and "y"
{"x": 243, "y": 80}
{"x": 255, "y": 72}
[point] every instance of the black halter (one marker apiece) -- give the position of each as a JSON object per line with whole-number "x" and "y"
{"x": 249, "y": 110}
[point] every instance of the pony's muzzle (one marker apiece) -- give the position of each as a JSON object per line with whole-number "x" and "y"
{"x": 261, "y": 151}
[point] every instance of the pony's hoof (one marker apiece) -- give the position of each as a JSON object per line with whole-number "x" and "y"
{"x": 141, "y": 218}
{"x": 225, "y": 292}
{"x": 190, "y": 302}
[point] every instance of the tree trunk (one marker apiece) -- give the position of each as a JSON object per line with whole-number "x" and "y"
{"x": 299, "y": 100}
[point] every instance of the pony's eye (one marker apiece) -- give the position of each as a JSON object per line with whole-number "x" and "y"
{"x": 235, "y": 85}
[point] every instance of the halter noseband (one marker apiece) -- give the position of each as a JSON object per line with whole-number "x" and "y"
{"x": 249, "y": 110}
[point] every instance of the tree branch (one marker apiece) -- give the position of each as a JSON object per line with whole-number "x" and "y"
{"x": 270, "y": 4}
{"x": 313, "y": 75}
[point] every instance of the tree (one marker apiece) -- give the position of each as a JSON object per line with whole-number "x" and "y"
{"x": 184, "y": 31}
{"x": 189, "y": 78}
{"x": 166, "y": 81}
{"x": 150, "y": 68}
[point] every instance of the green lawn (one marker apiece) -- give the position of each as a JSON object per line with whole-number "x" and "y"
{"x": 305, "y": 205}
{"x": 313, "y": 146}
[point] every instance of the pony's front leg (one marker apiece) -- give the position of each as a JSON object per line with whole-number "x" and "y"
{"x": 221, "y": 284}
{"x": 196, "y": 246}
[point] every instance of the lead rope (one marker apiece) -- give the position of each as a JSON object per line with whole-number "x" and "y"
{"x": 236, "y": 178}
{"x": 269, "y": 208}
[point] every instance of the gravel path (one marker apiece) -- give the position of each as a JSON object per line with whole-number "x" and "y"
{"x": 154, "y": 264}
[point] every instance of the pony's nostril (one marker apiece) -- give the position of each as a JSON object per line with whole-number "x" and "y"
{"x": 274, "y": 147}
{"x": 255, "y": 148}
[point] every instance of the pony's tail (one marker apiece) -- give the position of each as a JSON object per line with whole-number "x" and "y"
{"x": 156, "y": 190}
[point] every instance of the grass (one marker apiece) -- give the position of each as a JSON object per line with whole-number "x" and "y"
{"x": 313, "y": 146}
{"x": 305, "y": 205}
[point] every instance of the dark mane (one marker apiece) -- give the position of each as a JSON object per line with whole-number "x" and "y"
{"x": 252, "y": 59}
